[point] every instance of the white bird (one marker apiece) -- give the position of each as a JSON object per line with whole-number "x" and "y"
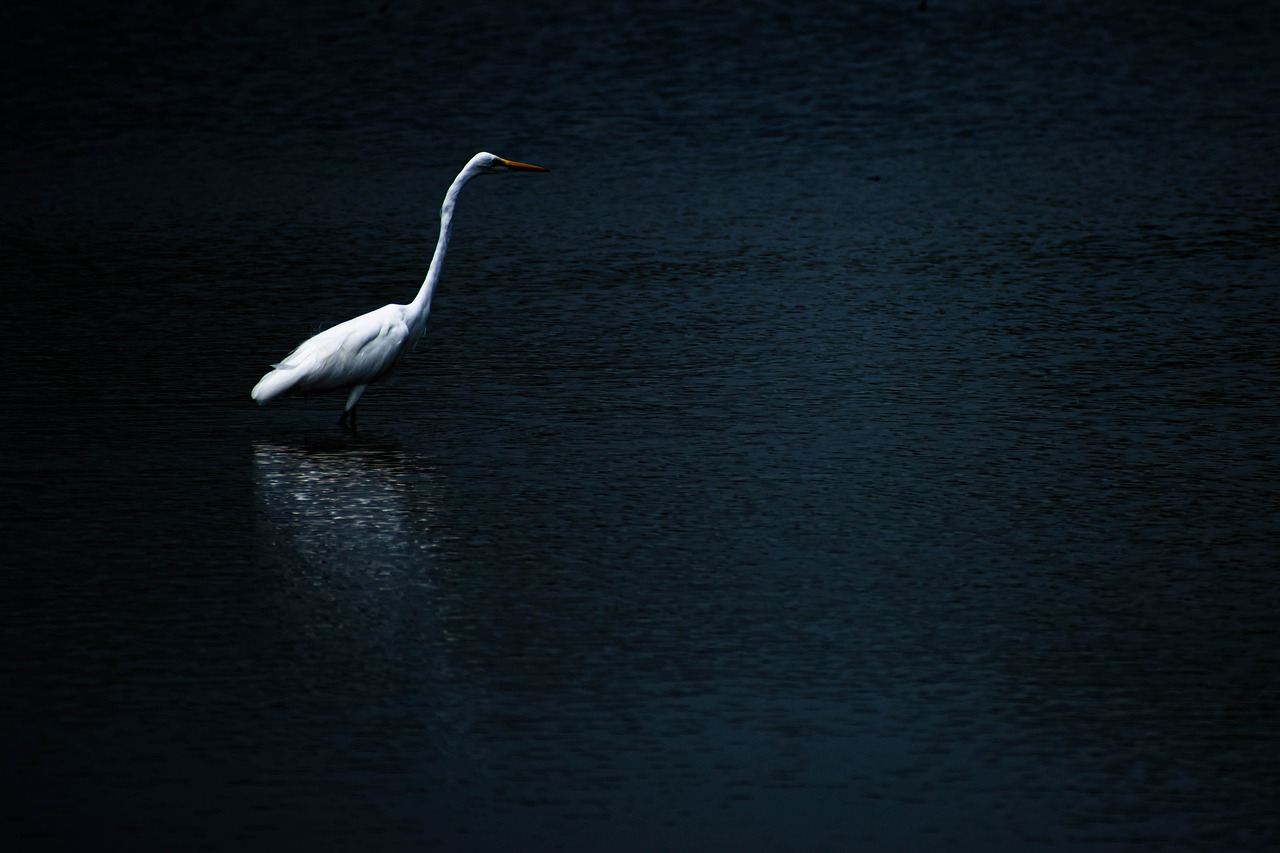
{"x": 367, "y": 348}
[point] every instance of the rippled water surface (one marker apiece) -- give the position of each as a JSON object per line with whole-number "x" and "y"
{"x": 863, "y": 438}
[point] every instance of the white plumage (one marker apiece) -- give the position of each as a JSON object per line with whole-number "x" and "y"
{"x": 367, "y": 349}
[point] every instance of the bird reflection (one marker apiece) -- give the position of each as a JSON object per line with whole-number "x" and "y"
{"x": 361, "y": 594}
{"x": 352, "y": 524}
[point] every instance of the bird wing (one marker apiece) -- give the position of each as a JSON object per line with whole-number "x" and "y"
{"x": 357, "y": 352}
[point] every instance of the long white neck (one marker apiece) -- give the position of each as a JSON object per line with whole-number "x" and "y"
{"x": 421, "y": 304}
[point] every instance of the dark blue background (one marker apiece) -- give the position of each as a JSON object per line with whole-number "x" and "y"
{"x": 863, "y": 438}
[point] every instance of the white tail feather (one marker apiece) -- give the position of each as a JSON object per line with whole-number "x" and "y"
{"x": 274, "y": 384}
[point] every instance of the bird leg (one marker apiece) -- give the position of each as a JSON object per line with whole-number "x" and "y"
{"x": 350, "y": 409}
{"x": 348, "y": 421}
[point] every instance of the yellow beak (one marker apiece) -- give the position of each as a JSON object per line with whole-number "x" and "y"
{"x": 521, "y": 167}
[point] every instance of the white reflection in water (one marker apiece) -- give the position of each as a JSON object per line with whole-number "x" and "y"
{"x": 352, "y": 528}
{"x": 354, "y": 532}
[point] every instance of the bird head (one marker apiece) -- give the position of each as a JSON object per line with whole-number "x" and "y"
{"x": 493, "y": 164}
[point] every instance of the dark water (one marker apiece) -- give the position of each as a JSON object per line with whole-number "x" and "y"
{"x": 865, "y": 437}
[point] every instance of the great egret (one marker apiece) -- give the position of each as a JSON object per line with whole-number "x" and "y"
{"x": 367, "y": 348}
